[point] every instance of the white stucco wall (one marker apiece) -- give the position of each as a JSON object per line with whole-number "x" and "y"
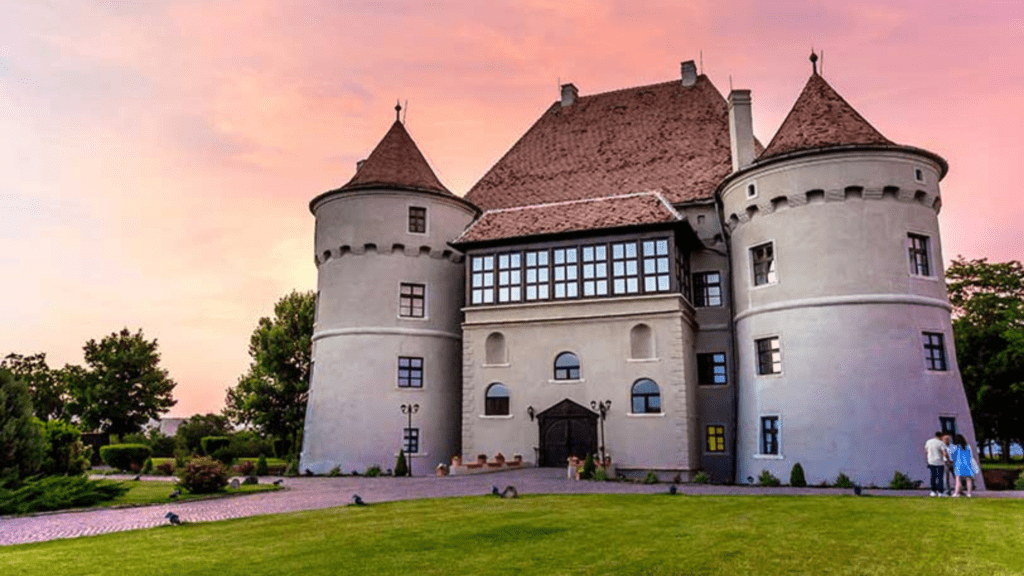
{"x": 364, "y": 252}
{"x": 854, "y": 395}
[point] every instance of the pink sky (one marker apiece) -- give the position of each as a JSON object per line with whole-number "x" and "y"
{"x": 158, "y": 157}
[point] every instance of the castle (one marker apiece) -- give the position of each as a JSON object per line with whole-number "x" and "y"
{"x": 639, "y": 275}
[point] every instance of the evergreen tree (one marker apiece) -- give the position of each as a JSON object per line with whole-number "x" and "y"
{"x": 401, "y": 468}
{"x": 22, "y": 441}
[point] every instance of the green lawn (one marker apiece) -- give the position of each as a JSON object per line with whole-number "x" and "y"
{"x": 586, "y": 534}
{"x": 157, "y": 492}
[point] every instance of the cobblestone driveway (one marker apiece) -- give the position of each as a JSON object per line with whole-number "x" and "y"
{"x": 314, "y": 493}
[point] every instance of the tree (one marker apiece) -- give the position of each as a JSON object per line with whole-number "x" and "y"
{"x": 22, "y": 442}
{"x": 192, "y": 431}
{"x": 272, "y": 394}
{"x": 988, "y": 329}
{"x": 47, "y": 389}
{"x": 123, "y": 386}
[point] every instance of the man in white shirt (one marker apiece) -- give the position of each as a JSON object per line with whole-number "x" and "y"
{"x": 935, "y": 450}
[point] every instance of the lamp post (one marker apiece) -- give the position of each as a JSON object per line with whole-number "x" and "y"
{"x": 409, "y": 410}
{"x": 602, "y": 408}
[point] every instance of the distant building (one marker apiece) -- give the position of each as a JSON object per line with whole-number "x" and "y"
{"x": 740, "y": 307}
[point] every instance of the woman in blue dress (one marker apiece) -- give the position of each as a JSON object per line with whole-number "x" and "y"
{"x": 960, "y": 454}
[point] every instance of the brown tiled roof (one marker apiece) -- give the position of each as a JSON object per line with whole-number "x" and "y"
{"x": 664, "y": 137}
{"x": 396, "y": 163}
{"x": 821, "y": 118}
{"x": 570, "y": 216}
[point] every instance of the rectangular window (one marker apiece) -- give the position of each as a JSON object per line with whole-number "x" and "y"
{"x": 763, "y": 258}
{"x": 716, "y": 438}
{"x": 770, "y": 435}
{"x": 769, "y": 356}
{"x": 683, "y": 274}
{"x": 919, "y": 262}
{"x": 482, "y": 280}
{"x": 411, "y": 300}
{"x": 711, "y": 369}
{"x": 625, "y": 272}
{"x": 411, "y": 439}
{"x": 656, "y": 269}
{"x": 934, "y": 351}
{"x": 595, "y": 270}
{"x": 947, "y": 424}
{"x": 417, "y": 220}
{"x": 566, "y": 272}
{"x": 707, "y": 289}
{"x": 537, "y": 275}
{"x": 510, "y": 277}
{"x": 410, "y": 372}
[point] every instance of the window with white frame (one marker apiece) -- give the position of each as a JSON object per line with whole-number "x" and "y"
{"x": 762, "y": 259}
{"x": 566, "y": 272}
{"x": 595, "y": 270}
{"x": 537, "y": 275}
{"x": 920, "y": 263}
{"x": 482, "y": 282}
{"x": 656, "y": 268}
{"x": 509, "y": 277}
{"x": 625, "y": 270}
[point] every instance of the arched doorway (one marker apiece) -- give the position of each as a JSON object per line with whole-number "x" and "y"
{"x": 566, "y": 429}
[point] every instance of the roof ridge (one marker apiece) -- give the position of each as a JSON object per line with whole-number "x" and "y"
{"x": 655, "y": 193}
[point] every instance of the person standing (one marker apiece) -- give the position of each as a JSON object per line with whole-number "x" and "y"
{"x": 963, "y": 466}
{"x": 934, "y": 451}
{"x": 948, "y": 464}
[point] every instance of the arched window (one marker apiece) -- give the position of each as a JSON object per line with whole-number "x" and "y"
{"x": 496, "y": 400}
{"x": 646, "y": 397}
{"x": 641, "y": 342}
{"x": 495, "y": 349}
{"x": 567, "y": 367}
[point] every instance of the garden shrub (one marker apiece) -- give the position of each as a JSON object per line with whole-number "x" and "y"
{"x": 211, "y": 444}
{"x": 246, "y": 468}
{"x": 401, "y": 468}
{"x": 293, "y": 469}
{"x": 125, "y": 456}
{"x": 251, "y": 480}
{"x": 700, "y": 478}
{"x": 372, "y": 471}
{"x": 165, "y": 468}
{"x": 651, "y": 478}
{"x": 900, "y": 481}
{"x": 767, "y": 479}
{"x": 588, "y": 468}
{"x": 147, "y": 468}
{"x": 843, "y": 481}
{"x": 22, "y": 442}
{"x": 66, "y": 455}
{"x": 162, "y": 446}
{"x": 247, "y": 444}
{"x": 58, "y": 493}
{"x": 203, "y": 476}
{"x": 336, "y": 471}
{"x": 600, "y": 475}
{"x": 1019, "y": 484}
{"x": 261, "y": 466}
{"x": 796, "y": 476}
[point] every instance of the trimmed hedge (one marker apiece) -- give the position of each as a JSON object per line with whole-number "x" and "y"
{"x": 796, "y": 476}
{"x": 211, "y": 444}
{"x": 126, "y": 456}
{"x": 203, "y": 476}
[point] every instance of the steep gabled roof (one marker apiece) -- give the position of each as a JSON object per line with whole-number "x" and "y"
{"x": 570, "y": 216}
{"x": 396, "y": 163}
{"x": 664, "y": 137}
{"x": 821, "y": 118}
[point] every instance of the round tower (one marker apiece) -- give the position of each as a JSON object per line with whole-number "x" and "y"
{"x": 387, "y": 331}
{"x": 846, "y": 362}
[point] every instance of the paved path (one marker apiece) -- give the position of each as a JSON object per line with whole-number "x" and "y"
{"x": 315, "y": 493}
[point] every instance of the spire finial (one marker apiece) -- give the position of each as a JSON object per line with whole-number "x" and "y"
{"x": 814, "y": 62}
{"x": 398, "y": 111}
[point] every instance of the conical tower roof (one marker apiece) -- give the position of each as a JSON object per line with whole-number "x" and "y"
{"x": 396, "y": 163}
{"x": 821, "y": 118}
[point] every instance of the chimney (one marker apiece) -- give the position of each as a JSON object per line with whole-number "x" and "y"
{"x": 569, "y": 94}
{"x": 359, "y": 164}
{"x": 689, "y": 70}
{"x": 741, "y": 129}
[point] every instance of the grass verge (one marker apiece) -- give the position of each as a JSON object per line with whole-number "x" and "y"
{"x": 584, "y": 534}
